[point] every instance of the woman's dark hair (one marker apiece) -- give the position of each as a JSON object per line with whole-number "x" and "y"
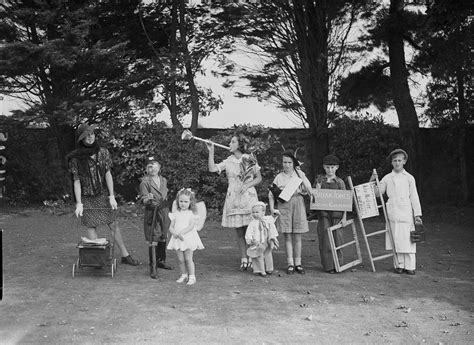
{"x": 244, "y": 142}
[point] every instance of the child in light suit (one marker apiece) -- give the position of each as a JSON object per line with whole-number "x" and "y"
{"x": 403, "y": 210}
{"x": 261, "y": 235}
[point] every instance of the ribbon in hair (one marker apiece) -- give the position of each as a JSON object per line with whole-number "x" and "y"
{"x": 188, "y": 189}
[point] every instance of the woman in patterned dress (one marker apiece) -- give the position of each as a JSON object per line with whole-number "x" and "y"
{"x": 90, "y": 167}
{"x": 243, "y": 174}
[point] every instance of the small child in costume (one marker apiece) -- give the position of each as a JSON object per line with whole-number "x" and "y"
{"x": 261, "y": 235}
{"x": 184, "y": 237}
{"x": 403, "y": 210}
{"x": 154, "y": 194}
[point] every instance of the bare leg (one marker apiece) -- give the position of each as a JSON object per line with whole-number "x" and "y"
{"x": 241, "y": 242}
{"x": 297, "y": 248}
{"x": 117, "y": 236}
{"x": 91, "y": 233}
{"x": 181, "y": 260}
{"x": 188, "y": 258}
{"x": 289, "y": 248}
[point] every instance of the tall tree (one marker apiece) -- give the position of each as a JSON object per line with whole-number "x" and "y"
{"x": 447, "y": 55}
{"x": 188, "y": 66}
{"x": 390, "y": 29}
{"x": 303, "y": 45}
{"x": 71, "y": 61}
{"x": 407, "y": 116}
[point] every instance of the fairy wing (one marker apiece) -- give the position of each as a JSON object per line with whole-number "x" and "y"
{"x": 201, "y": 215}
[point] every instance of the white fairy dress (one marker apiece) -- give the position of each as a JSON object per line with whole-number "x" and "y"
{"x": 191, "y": 239}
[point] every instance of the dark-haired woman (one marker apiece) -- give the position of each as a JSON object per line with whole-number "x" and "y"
{"x": 243, "y": 174}
{"x": 90, "y": 167}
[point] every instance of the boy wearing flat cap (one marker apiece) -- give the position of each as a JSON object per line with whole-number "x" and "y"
{"x": 328, "y": 218}
{"x": 403, "y": 209}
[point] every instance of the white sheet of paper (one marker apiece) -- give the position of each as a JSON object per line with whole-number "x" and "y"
{"x": 365, "y": 194}
{"x": 290, "y": 188}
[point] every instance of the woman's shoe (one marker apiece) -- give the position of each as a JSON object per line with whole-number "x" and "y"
{"x": 262, "y": 274}
{"x": 410, "y": 272}
{"x": 191, "y": 280}
{"x": 299, "y": 269}
{"x": 290, "y": 269}
{"x": 128, "y": 260}
{"x": 399, "y": 270}
{"x": 332, "y": 271}
{"x": 244, "y": 266}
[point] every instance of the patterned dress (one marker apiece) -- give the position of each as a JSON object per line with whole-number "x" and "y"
{"x": 94, "y": 193}
{"x": 237, "y": 210}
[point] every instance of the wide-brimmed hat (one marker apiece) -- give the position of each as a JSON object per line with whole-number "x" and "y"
{"x": 289, "y": 153}
{"x": 396, "y": 152}
{"x": 331, "y": 160}
{"x": 83, "y": 130}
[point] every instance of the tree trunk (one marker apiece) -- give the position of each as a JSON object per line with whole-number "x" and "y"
{"x": 188, "y": 67}
{"x": 174, "y": 53}
{"x": 312, "y": 36}
{"x": 462, "y": 136}
{"x": 407, "y": 117}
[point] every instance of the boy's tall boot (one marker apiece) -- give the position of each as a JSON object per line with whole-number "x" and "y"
{"x": 161, "y": 256}
{"x": 153, "y": 274}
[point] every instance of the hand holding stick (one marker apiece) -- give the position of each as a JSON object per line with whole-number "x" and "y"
{"x": 187, "y": 135}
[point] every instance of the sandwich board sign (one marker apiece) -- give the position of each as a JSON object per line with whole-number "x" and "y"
{"x": 331, "y": 200}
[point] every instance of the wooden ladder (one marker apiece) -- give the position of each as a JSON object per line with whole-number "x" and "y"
{"x": 386, "y": 230}
{"x": 355, "y": 242}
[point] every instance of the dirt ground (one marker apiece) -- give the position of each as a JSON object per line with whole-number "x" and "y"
{"x": 43, "y": 304}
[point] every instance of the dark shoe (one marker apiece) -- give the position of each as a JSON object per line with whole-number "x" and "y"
{"x": 244, "y": 266}
{"x": 153, "y": 275}
{"x": 300, "y": 269}
{"x": 163, "y": 265}
{"x": 128, "y": 260}
{"x": 399, "y": 270}
{"x": 262, "y": 274}
{"x": 250, "y": 266}
{"x": 290, "y": 269}
{"x": 410, "y": 272}
{"x": 160, "y": 251}
{"x": 269, "y": 272}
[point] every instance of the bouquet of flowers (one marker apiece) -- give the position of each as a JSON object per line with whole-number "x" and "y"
{"x": 247, "y": 167}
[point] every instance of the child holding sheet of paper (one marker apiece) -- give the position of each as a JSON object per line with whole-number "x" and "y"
{"x": 292, "y": 183}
